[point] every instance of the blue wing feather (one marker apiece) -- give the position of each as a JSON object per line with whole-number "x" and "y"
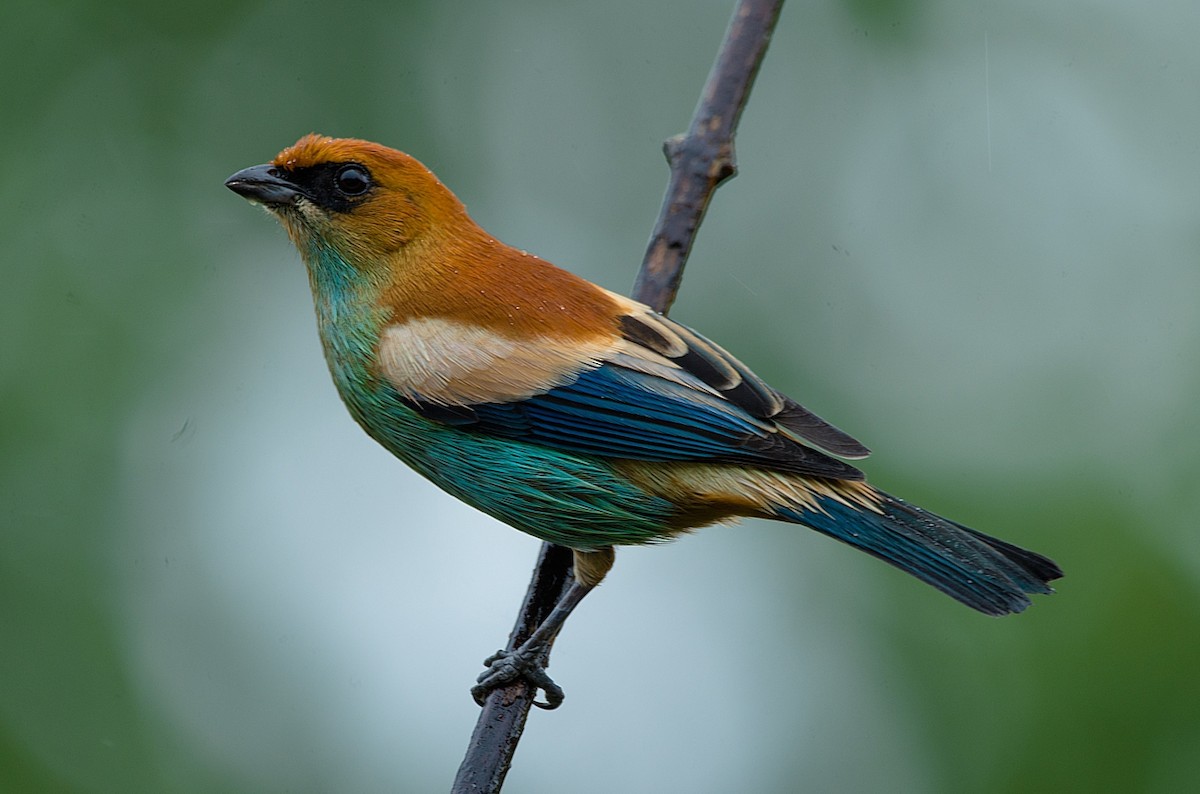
{"x": 618, "y": 411}
{"x": 706, "y": 362}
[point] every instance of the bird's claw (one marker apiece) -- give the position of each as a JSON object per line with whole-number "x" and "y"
{"x": 504, "y": 667}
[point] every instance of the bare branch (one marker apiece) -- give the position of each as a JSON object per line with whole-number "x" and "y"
{"x": 704, "y": 158}
{"x": 502, "y": 718}
{"x": 700, "y": 161}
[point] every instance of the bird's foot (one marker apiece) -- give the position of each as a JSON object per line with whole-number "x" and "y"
{"x": 504, "y": 667}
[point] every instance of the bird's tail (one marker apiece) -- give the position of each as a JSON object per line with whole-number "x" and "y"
{"x": 981, "y": 571}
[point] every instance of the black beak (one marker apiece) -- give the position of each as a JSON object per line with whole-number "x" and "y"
{"x": 264, "y": 184}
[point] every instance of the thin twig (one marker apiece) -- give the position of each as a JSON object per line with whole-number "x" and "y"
{"x": 502, "y": 718}
{"x": 700, "y": 161}
{"x": 703, "y": 158}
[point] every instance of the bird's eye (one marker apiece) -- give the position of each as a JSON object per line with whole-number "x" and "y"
{"x": 352, "y": 180}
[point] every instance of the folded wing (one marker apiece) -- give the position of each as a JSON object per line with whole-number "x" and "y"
{"x": 658, "y": 391}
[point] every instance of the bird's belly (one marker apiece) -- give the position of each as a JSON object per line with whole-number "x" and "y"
{"x": 575, "y": 501}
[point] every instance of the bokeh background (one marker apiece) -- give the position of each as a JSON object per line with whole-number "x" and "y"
{"x": 967, "y": 232}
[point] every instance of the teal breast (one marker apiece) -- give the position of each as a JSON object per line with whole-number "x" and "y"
{"x": 573, "y": 500}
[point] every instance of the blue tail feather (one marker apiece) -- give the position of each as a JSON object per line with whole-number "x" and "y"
{"x": 983, "y": 572}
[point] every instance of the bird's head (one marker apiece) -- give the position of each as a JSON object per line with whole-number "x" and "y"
{"x": 364, "y": 201}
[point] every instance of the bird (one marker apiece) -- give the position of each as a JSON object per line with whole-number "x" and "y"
{"x": 565, "y": 410}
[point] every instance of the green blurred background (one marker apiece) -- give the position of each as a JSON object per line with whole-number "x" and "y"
{"x": 966, "y": 232}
